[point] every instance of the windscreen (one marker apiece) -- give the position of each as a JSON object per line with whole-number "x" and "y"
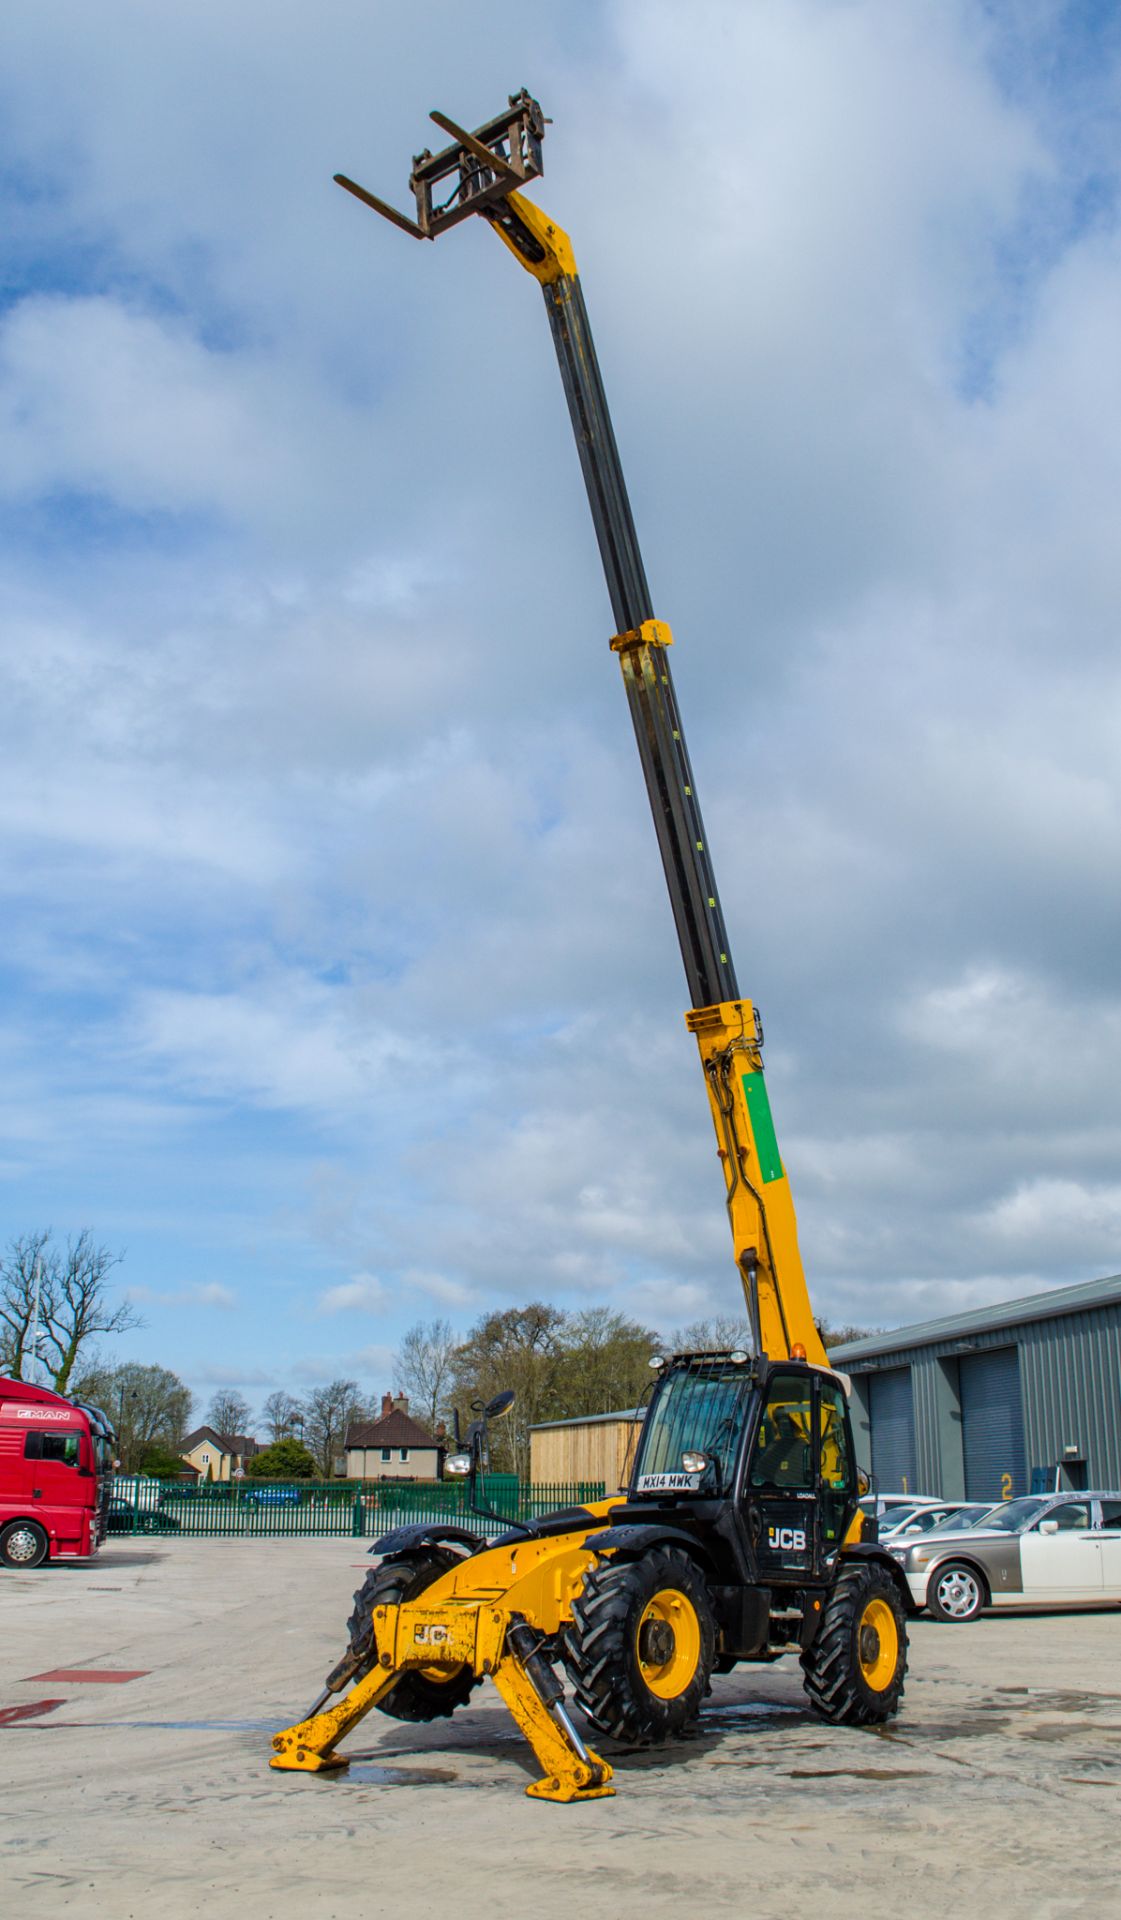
{"x": 697, "y": 1409}
{"x": 1012, "y": 1516}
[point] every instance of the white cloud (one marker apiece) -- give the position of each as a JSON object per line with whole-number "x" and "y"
{"x": 101, "y": 398}
{"x": 204, "y": 1293}
{"x": 365, "y": 1293}
{"x": 292, "y": 1043}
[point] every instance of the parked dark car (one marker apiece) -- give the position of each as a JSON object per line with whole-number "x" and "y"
{"x": 123, "y": 1517}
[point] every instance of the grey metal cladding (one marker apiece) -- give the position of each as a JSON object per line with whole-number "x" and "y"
{"x": 1070, "y": 1375}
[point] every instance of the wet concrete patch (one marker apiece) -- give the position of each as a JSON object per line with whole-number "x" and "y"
{"x": 855, "y": 1773}
{"x": 371, "y": 1774}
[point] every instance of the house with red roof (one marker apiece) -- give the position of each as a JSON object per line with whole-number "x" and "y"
{"x": 394, "y": 1446}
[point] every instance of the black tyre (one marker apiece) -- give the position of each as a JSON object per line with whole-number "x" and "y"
{"x": 422, "y": 1693}
{"x": 855, "y": 1669}
{"x": 640, "y": 1649}
{"x": 956, "y": 1593}
{"x": 23, "y": 1544}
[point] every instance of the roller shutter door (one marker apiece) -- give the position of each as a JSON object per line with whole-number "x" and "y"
{"x": 992, "y": 1425}
{"x": 891, "y": 1404}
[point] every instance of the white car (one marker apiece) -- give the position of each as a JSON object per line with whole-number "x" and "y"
{"x": 907, "y": 1523}
{"x": 1048, "y": 1550}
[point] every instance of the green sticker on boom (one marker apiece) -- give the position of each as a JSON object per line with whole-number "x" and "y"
{"x": 762, "y": 1126}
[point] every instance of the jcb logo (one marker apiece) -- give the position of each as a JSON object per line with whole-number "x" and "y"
{"x": 793, "y": 1539}
{"x": 431, "y": 1636}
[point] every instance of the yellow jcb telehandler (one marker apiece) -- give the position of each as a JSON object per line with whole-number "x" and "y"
{"x": 739, "y": 1536}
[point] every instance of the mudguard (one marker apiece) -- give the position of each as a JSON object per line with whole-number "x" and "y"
{"x": 639, "y": 1536}
{"x": 870, "y": 1550}
{"x": 426, "y": 1534}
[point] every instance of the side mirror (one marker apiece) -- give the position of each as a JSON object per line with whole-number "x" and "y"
{"x": 1048, "y": 1526}
{"x": 458, "y": 1465}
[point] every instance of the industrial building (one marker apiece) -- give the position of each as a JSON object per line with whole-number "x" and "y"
{"x": 988, "y": 1404}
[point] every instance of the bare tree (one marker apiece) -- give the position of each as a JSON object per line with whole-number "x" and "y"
{"x": 280, "y": 1414}
{"x": 328, "y": 1413}
{"x": 723, "y": 1333}
{"x": 835, "y": 1336}
{"x": 228, "y": 1414}
{"x": 424, "y": 1368}
{"x": 74, "y": 1304}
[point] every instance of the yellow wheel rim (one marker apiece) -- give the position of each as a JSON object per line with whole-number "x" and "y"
{"x": 668, "y": 1643}
{"x": 439, "y": 1676}
{"x": 877, "y": 1645}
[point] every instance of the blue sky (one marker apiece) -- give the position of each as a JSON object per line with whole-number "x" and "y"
{"x": 340, "y": 986}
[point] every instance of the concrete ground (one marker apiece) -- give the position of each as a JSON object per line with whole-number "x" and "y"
{"x": 997, "y": 1787}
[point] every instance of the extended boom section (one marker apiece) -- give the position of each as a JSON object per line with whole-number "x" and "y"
{"x": 485, "y": 170}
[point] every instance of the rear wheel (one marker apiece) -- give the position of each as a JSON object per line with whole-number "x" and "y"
{"x": 956, "y": 1593}
{"x": 855, "y": 1669}
{"x": 429, "y": 1693}
{"x": 23, "y": 1544}
{"x": 640, "y": 1647}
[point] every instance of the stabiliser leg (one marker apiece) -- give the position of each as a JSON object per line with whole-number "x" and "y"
{"x": 493, "y": 1642}
{"x": 535, "y": 1697}
{"x": 309, "y": 1746}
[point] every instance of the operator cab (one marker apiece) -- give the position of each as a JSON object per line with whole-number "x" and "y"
{"x": 770, "y": 1441}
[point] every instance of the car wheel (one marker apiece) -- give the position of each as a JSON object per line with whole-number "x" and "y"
{"x": 23, "y": 1544}
{"x": 956, "y": 1593}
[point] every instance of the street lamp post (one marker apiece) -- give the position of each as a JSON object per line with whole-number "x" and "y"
{"x": 122, "y": 1397}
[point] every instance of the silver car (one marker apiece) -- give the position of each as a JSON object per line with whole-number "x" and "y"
{"x": 1048, "y": 1550}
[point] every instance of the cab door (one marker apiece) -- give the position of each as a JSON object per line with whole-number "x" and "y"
{"x": 53, "y": 1459}
{"x": 780, "y": 1483}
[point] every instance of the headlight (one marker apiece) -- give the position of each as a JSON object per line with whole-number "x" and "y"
{"x": 694, "y": 1462}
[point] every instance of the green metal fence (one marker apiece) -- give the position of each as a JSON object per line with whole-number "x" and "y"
{"x": 360, "y": 1509}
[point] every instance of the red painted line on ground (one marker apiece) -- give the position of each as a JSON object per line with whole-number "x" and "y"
{"x": 30, "y": 1710}
{"x": 78, "y": 1676}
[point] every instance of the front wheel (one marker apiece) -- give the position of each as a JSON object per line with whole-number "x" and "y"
{"x": 854, "y": 1671}
{"x": 956, "y": 1593}
{"x": 422, "y": 1693}
{"x": 23, "y": 1544}
{"x": 641, "y": 1645}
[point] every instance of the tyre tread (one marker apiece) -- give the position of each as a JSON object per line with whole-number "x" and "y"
{"x": 414, "y": 1698}
{"x": 830, "y": 1667}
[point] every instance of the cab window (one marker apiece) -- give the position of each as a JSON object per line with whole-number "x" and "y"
{"x": 836, "y": 1466}
{"x": 783, "y": 1455}
{"x": 1111, "y": 1513}
{"x": 62, "y": 1448}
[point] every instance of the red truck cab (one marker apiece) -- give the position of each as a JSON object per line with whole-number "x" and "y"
{"x": 56, "y": 1471}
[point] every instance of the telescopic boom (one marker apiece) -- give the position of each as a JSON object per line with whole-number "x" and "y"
{"x": 482, "y": 173}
